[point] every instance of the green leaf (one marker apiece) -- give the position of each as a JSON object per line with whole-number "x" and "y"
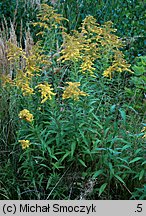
{"x": 120, "y": 140}
{"x": 123, "y": 160}
{"x": 123, "y": 115}
{"x": 97, "y": 173}
{"x": 57, "y": 165}
{"x": 139, "y": 70}
{"x": 135, "y": 159}
{"x": 123, "y": 166}
{"x": 43, "y": 132}
{"x": 125, "y": 147}
{"x": 82, "y": 162}
{"x": 137, "y": 151}
{"x": 49, "y": 182}
{"x": 94, "y": 131}
{"x": 39, "y": 158}
{"x": 65, "y": 155}
{"x": 73, "y": 147}
{"x": 51, "y": 154}
{"x": 83, "y": 136}
{"x": 101, "y": 149}
{"x": 119, "y": 178}
{"x": 102, "y": 188}
{"x": 112, "y": 108}
{"x": 50, "y": 140}
{"x": 111, "y": 168}
{"x": 97, "y": 122}
{"x": 44, "y": 165}
{"x": 106, "y": 131}
{"x": 141, "y": 174}
{"x": 144, "y": 162}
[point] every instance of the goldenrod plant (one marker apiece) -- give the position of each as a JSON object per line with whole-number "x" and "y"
{"x": 92, "y": 44}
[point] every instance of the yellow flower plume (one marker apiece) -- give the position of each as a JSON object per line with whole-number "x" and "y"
{"x": 71, "y": 48}
{"x": 46, "y": 91}
{"x": 72, "y": 91}
{"x": 24, "y": 143}
{"x": 26, "y": 115}
{"x": 27, "y": 90}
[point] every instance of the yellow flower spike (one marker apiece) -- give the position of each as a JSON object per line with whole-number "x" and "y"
{"x": 46, "y": 91}
{"x": 144, "y": 130}
{"x": 14, "y": 52}
{"x": 119, "y": 65}
{"x": 25, "y": 143}
{"x": 27, "y": 90}
{"x": 26, "y": 115}
{"x": 48, "y": 18}
{"x": 72, "y": 91}
{"x": 71, "y": 48}
{"x": 108, "y": 71}
{"x": 87, "y": 65}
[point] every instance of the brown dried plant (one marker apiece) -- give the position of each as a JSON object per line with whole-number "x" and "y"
{"x": 8, "y": 38}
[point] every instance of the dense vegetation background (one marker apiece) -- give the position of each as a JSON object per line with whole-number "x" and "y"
{"x": 82, "y": 119}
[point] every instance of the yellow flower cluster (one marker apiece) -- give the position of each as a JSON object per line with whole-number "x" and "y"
{"x": 119, "y": 65}
{"x": 22, "y": 81}
{"x": 47, "y": 13}
{"x": 76, "y": 48}
{"x": 71, "y": 48}
{"x": 87, "y": 65}
{"x": 48, "y": 18}
{"x": 79, "y": 47}
{"x": 27, "y": 64}
{"x": 144, "y": 130}
{"x": 46, "y": 91}
{"x": 91, "y": 30}
{"x": 26, "y": 115}
{"x": 92, "y": 43}
{"x": 14, "y": 52}
{"x": 72, "y": 91}
{"x": 34, "y": 60}
{"x": 25, "y": 143}
{"x": 27, "y": 90}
